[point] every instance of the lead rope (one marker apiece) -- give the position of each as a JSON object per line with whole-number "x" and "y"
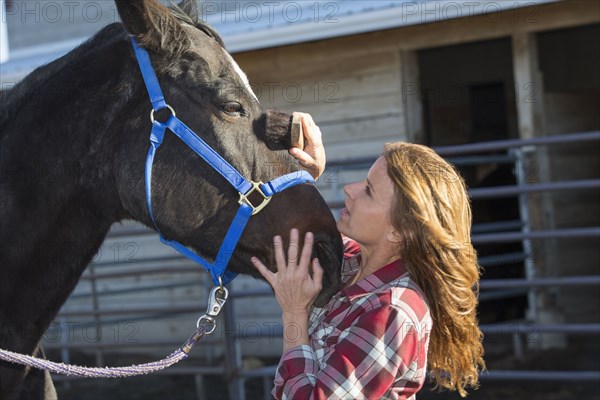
{"x": 205, "y": 326}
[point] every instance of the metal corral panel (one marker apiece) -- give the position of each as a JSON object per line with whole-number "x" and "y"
{"x": 145, "y": 292}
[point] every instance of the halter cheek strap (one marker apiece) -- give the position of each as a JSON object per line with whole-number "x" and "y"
{"x": 244, "y": 187}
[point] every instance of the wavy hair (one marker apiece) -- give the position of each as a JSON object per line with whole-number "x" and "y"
{"x": 432, "y": 212}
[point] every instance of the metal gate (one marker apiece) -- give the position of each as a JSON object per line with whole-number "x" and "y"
{"x": 192, "y": 280}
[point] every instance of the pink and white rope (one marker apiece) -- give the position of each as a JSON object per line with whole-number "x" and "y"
{"x": 106, "y": 372}
{"x": 92, "y": 372}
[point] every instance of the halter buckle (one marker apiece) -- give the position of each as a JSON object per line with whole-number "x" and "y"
{"x": 255, "y": 188}
{"x": 216, "y": 300}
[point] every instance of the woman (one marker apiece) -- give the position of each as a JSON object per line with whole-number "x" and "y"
{"x": 410, "y": 279}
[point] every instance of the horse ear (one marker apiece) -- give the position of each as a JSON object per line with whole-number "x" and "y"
{"x": 152, "y": 25}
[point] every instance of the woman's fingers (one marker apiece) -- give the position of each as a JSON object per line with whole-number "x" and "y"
{"x": 312, "y": 157}
{"x": 264, "y": 271}
{"x": 293, "y": 285}
{"x": 292, "y": 253}
{"x": 306, "y": 252}
{"x": 295, "y": 263}
{"x": 313, "y": 133}
{"x": 279, "y": 254}
{"x": 293, "y": 249}
{"x": 306, "y": 160}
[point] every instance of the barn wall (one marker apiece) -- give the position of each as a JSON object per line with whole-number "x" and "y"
{"x": 362, "y": 89}
{"x": 355, "y": 99}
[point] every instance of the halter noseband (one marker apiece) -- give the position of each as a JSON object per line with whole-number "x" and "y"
{"x": 244, "y": 187}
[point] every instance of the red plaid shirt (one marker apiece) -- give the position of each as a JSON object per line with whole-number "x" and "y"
{"x": 369, "y": 342}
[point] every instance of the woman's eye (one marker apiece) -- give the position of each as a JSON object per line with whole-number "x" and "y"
{"x": 368, "y": 190}
{"x": 232, "y": 108}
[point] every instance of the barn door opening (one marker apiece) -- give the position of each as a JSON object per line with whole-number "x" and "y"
{"x": 468, "y": 97}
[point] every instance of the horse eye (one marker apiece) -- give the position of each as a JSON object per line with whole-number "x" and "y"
{"x": 232, "y": 108}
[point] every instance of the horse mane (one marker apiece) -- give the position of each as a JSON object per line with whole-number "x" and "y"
{"x": 188, "y": 14}
{"x": 31, "y": 86}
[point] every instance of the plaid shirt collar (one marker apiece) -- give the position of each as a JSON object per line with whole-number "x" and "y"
{"x": 381, "y": 278}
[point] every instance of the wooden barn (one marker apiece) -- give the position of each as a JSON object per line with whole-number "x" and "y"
{"x": 443, "y": 73}
{"x": 509, "y": 91}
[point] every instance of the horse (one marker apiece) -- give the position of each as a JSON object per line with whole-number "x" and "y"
{"x": 73, "y": 141}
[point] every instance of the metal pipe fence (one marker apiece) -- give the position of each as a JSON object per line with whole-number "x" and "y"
{"x": 482, "y": 234}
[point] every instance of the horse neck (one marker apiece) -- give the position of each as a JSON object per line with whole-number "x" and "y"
{"x": 57, "y": 197}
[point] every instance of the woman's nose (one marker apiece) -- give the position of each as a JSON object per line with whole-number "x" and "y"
{"x": 348, "y": 189}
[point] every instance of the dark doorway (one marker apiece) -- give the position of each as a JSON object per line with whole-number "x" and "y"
{"x": 468, "y": 98}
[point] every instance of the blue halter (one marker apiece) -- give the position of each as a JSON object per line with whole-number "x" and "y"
{"x": 244, "y": 187}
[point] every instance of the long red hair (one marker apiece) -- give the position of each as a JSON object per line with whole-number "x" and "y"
{"x": 433, "y": 214}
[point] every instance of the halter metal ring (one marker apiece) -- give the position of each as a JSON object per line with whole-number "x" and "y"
{"x": 255, "y": 188}
{"x": 168, "y": 107}
{"x": 208, "y": 322}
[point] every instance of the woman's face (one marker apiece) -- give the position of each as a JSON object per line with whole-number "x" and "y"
{"x": 366, "y": 217}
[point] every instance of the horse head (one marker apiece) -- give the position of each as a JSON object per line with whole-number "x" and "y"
{"x": 192, "y": 203}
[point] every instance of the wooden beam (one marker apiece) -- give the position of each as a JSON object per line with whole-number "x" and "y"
{"x": 412, "y": 102}
{"x": 537, "y": 211}
{"x": 564, "y": 14}
{"x": 529, "y": 88}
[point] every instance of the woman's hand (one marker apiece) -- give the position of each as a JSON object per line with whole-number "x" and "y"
{"x": 313, "y": 156}
{"x": 294, "y": 287}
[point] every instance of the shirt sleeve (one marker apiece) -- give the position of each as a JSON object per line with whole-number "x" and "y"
{"x": 379, "y": 351}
